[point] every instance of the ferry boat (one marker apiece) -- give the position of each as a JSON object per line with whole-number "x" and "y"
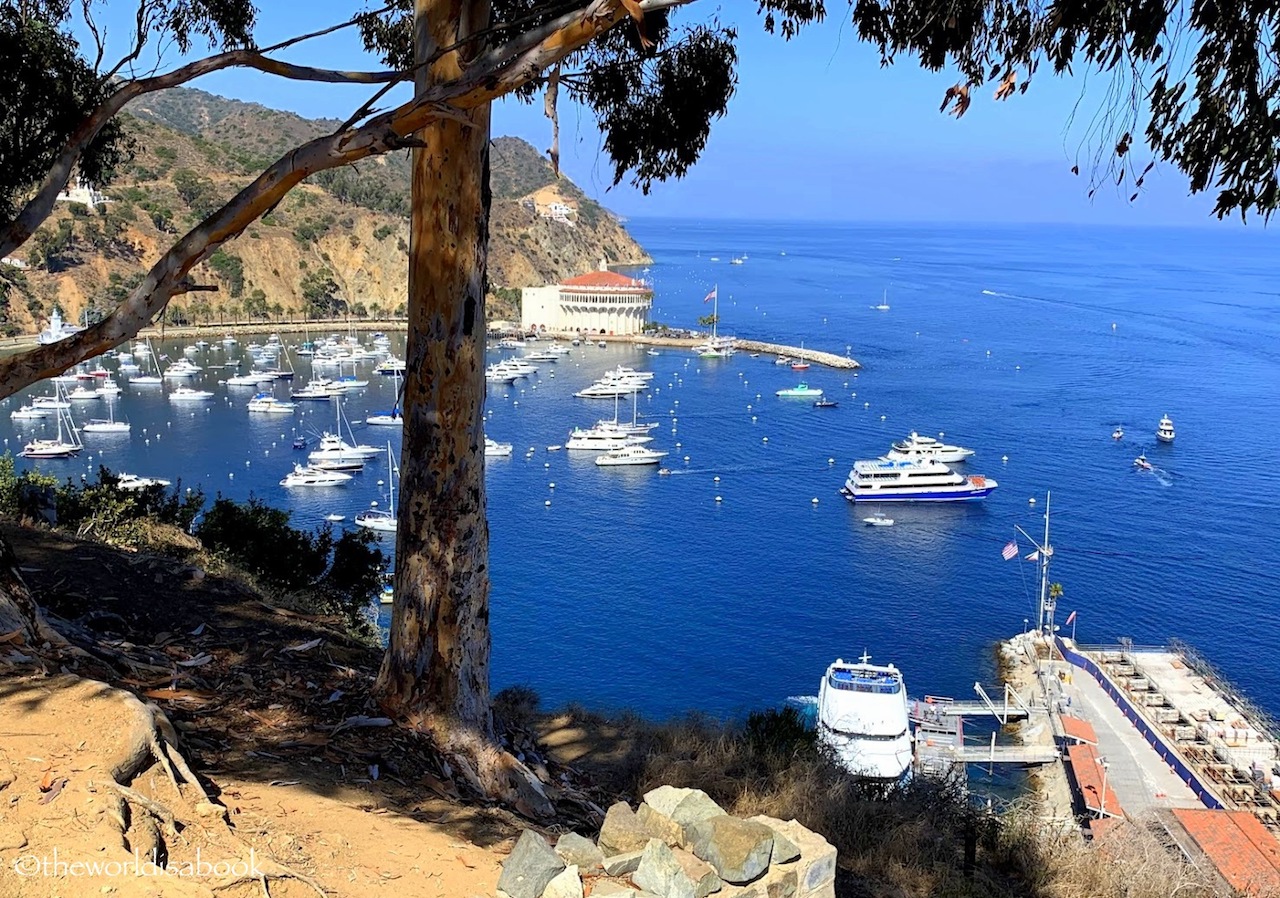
{"x": 918, "y": 447}
{"x": 863, "y": 719}
{"x": 1165, "y": 432}
{"x": 912, "y": 480}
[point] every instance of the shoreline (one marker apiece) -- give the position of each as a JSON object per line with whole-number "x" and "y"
{"x": 328, "y": 325}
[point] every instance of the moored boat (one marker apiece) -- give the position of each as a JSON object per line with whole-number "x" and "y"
{"x": 863, "y": 719}
{"x": 918, "y": 447}
{"x": 912, "y": 480}
{"x": 1164, "y": 431}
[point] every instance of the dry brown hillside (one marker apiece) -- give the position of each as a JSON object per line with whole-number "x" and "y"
{"x": 337, "y": 243}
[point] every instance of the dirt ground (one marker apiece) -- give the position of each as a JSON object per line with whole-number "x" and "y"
{"x": 272, "y": 710}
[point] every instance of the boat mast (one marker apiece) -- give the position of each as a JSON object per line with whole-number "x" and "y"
{"x": 1044, "y": 619}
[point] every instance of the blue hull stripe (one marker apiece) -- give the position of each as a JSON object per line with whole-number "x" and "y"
{"x": 890, "y": 496}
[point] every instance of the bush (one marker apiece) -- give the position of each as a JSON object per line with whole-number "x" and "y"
{"x": 319, "y": 573}
{"x": 25, "y": 495}
{"x": 124, "y": 517}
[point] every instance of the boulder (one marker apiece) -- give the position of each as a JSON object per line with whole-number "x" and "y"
{"x": 576, "y": 849}
{"x": 622, "y": 831}
{"x": 738, "y": 850}
{"x": 530, "y": 866}
{"x": 605, "y": 888}
{"x": 565, "y": 884}
{"x": 816, "y": 868}
{"x": 674, "y": 874}
{"x": 665, "y": 799}
{"x": 659, "y": 825}
{"x": 784, "y": 850}
{"x": 622, "y": 864}
{"x": 779, "y": 882}
{"x": 693, "y": 808}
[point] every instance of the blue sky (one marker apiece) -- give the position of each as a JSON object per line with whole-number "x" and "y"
{"x": 818, "y": 130}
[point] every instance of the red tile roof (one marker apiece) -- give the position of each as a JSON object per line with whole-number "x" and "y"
{"x": 1087, "y": 770}
{"x": 1245, "y": 853}
{"x": 1079, "y": 730}
{"x": 602, "y": 279}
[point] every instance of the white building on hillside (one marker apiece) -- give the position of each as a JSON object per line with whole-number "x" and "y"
{"x": 600, "y": 302}
{"x": 82, "y": 193}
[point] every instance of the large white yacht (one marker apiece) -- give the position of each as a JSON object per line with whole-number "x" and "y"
{"x": 311, "y": 476}
{"x": 630, "y": 455}
{"x": 863, "y": 720}
{"x": 267, "y": 404}
{"x": 334, "y": 448}
{"x": 912, "y": 480}
{"x": 917, "y": 447}
{"x": 598, "y": 439}
{"x": 1165, "y": 432}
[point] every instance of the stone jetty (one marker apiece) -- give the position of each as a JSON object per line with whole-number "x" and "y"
{"x": 677, "y": 844}
{"x": 796, "y": 353}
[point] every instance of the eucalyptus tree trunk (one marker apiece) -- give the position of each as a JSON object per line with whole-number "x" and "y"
{"x": 435, "y": 675}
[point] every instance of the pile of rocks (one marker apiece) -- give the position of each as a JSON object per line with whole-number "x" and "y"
{"x": 677, "y": 844}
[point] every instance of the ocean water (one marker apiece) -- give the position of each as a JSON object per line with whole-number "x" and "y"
{"x": 1027, "y": 344}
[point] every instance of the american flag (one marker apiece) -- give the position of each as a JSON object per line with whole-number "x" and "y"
{"x": 1010, "y": 551}
{"x": 712, "y": 295}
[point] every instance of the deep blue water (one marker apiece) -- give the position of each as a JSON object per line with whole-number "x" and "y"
{"x": 643, "y": 591}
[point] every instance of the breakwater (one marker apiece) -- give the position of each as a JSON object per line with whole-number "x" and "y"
{"x": 817, "y": 357}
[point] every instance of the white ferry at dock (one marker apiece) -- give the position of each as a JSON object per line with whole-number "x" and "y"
{"x": 912, "y": 480}
{"x": 863, "y": 718}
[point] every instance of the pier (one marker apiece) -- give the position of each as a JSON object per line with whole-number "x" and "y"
{"x": 797, "y": 353}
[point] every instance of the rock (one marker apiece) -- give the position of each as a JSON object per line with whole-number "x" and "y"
{"x": 665, "y": 799}
{"x": 779, "y": 882}
{"x": 738, "y": 850}
{"x": 622, "y": 831}
{"x": 784, "y": 850}
{"x": 674, "y": 874}
{"x": 530, "y": 866}
{"x": 659, "y": 825}
{"x": 816, "y": 869}
{"x": 694, "y": 808}
{"x": 565, "y": 884}
{"x": 576, "y": 849}
{"x": 622, "y": 864}
{"x": 605, "y": 889}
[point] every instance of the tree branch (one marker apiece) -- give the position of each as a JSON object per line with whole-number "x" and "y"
{"x": 495, "y": 74}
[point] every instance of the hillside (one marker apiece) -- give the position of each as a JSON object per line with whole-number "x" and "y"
{"x": 338, "y": 242}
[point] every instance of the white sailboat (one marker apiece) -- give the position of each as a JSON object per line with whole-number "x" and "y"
{"x": 333, "y": 448}
{"x": 393, "y": 418}
{"x": 378, "y": 519}
{"x": 109, "y": 425}
{"x": 147, "y": 379}
{"x": 67, "y": 443}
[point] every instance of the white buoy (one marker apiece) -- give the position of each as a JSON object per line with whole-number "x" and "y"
{"x": 882, "y": 417}
{"x": 753, "y": 419}
{"x": 814, "y": 500}
{"x": 552, "y": 485}
{"x": 547, "y": 503}
{"x": 1004, "y": 459}
{"x": 719, "y": 499}
{"x": 686, "y": 459}
{"x": 866, "y": 405}
{"x": 716, "y": 478}
{"x": 546, "y": 464}
{"x": 831, "y": 461}
{"x": 765, "y": 439}
{"x": 1031, "y": 501}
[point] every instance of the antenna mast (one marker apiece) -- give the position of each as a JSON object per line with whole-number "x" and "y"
{"x": 1048, "y": 604}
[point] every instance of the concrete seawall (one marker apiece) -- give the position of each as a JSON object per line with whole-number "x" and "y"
{"x": 817, "y": 357}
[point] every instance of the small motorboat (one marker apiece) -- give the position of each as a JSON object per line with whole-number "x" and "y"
{"x": 802, "y": 389}
{"x": 1141, "y": 463}
{"x": 1164, "y": 433}
{"x": 654, "y": 352}
{"x": 799, "y": 366}
{"x": 665, "y": 472}
{"x": 300, "y": 443}
{"x": 782, "y": 360}
{"x": 878, "y": 520}
{"x": 135, "y": 482}
{"x": 555, "y": 448}
{"x": 825, "y": 403}
{"x": 335, "y": 518}
{"x": 494, "y": 449}
{"x": 1118, "y": 433}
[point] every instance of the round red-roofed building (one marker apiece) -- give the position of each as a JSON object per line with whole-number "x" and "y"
{"x": 599, "y": 302}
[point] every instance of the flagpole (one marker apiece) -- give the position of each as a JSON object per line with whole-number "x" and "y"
{"x": 1073, "y": 628}
{"x": 1046, "y": 609}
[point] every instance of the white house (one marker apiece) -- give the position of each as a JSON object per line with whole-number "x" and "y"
{"x": 600, "y": 302}
{"x": 82, "y": 193}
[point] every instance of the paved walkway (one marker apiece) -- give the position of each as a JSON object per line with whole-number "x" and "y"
{"x": 1135, "y": 772}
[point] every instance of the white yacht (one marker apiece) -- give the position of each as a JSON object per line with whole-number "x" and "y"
{"x": 631, "y": 455}
{"x": 54, "y": 402}
{"x": 83, "y": 394}
{"x": 182, "y": 368}
{"x": 30, "y": 413}
{"x": 390, "y": 366}
{"x": 316, "y": 388}
{"x": 918, "y": 447}
{"x": 601, "y": 440}
{"x": 186, "y": 394}
{"x": 863, "y": 719}
{"x": 494, "y": 449}
{"x": 265, "y": 403}
{"x": 311, "y": 476}
{"x": 912, "y": 480}
{"x": 1165, "y": 432}
{"x": 252, "y": 379}
{"x": 134, "y": 482}
{"x": 496, "y": 375}
{"x": 335, "y": 449}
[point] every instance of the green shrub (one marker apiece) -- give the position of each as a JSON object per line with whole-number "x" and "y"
{"x": 124, "y": 517}
{"x": 320, "y": 573}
